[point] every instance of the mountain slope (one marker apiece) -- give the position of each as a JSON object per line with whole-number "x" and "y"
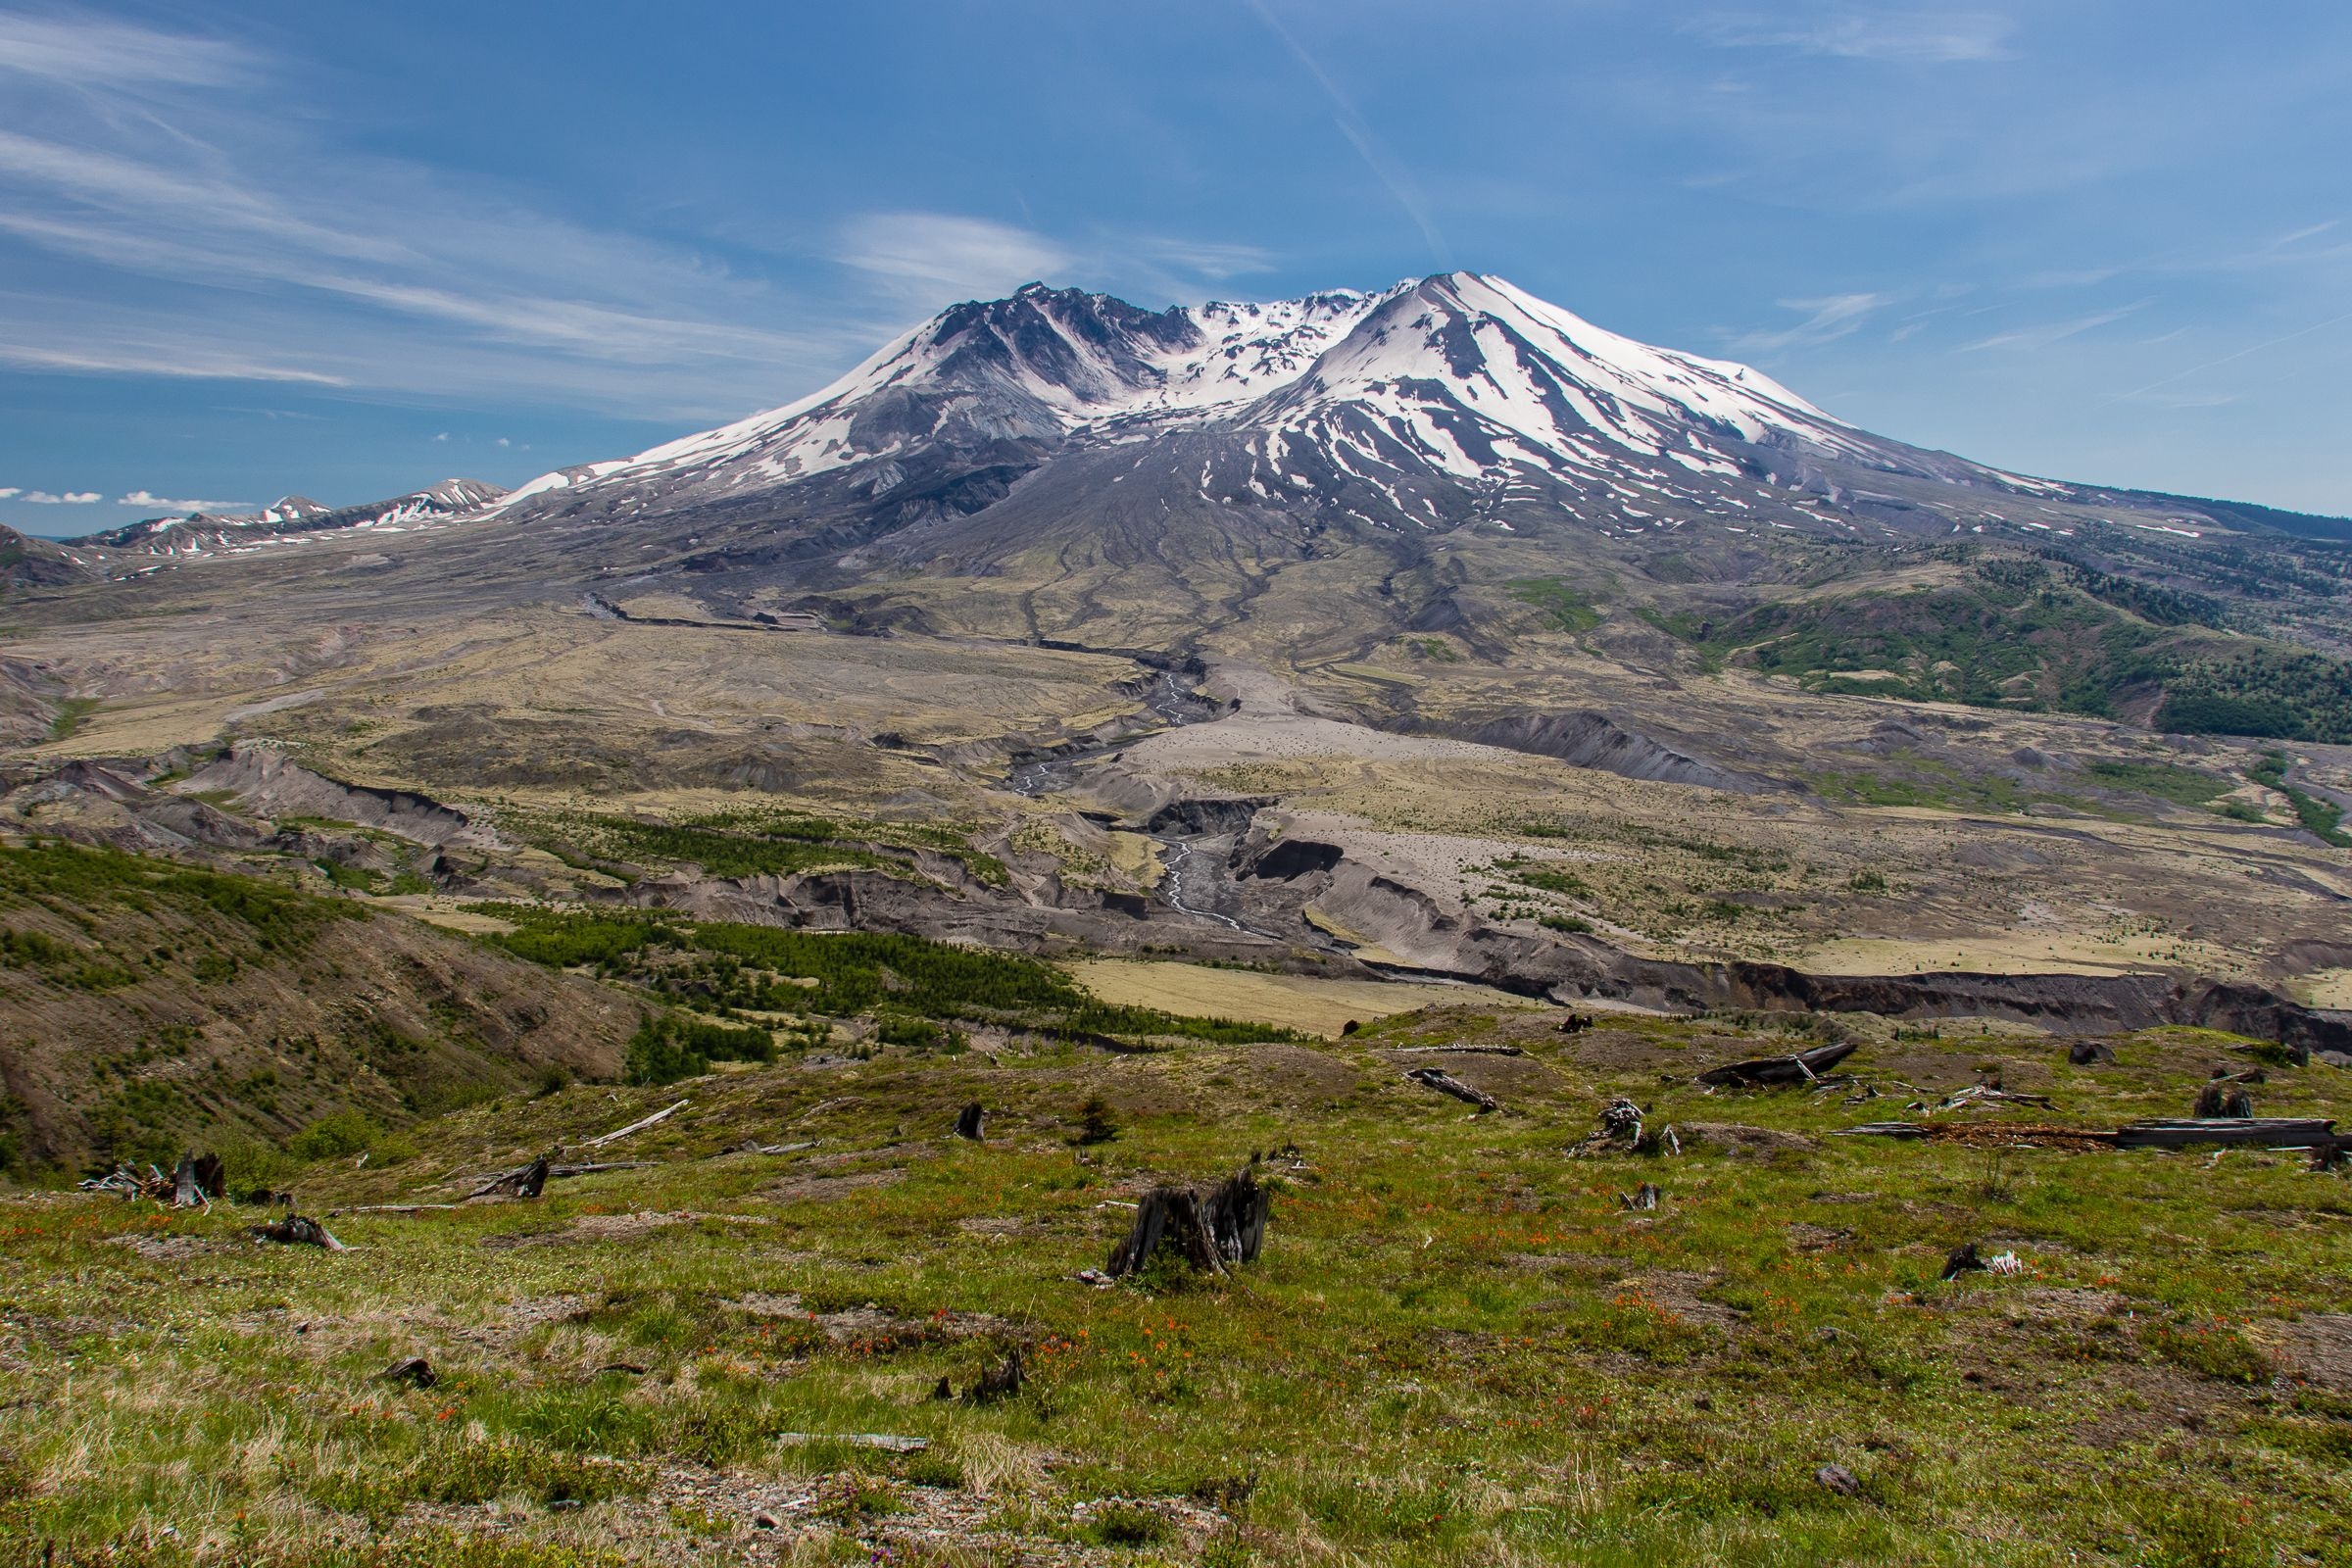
{"x": 148, "y": 1003}
{"x": 292, "y": 517}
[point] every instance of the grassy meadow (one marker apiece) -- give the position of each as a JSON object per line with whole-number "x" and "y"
{"x": 1460, "y": 1346}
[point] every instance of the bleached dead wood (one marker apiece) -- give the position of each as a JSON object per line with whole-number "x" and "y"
{"x": 618, "y": 1132}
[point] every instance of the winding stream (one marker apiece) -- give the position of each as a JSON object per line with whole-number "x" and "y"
{"x": 1191, "y": 881}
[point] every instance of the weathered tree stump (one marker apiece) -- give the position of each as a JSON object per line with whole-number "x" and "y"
{"x": 1962, "y": 1260}
{"x": 1001, "y": 1382}
{"x": 211, "y": 1176}
{"x": 2221, "y": 1099}
{"x": 296, "y": 1230}
{"x": 1211, "y": 1229}
{"x": 1645, "y": 1195}
{"x": 970, "y": 1121}
{"x": 414, "y": 1371}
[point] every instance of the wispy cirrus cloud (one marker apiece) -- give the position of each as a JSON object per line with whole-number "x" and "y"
{"x": 1932, "y": 36}
{"x": 94, "y": 51}
{"x": 922, "y": 255}
{"x": 1824, "y": 320}
{"x": 2045, "y": 335}
{"x": 1394, "y": 176}
{"x": 202, "y": 240}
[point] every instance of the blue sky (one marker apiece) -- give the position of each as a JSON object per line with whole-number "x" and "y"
{"x": 343, "y": 249}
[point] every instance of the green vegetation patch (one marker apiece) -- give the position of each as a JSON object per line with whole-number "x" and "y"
{"x": 749, "y": 842}
{"x": 2323, "y": 819}
{"x": 2043, "y": 634}
{"x": 1567, "y": 606}
{"x": 728, "y": 967}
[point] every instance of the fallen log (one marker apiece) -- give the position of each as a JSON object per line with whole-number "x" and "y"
{"x": 520, "y": 1174}
{"x": 1445, "y": 1083}
{"x": 2262, "y": 1132}
{"x": 1989, "y": 1094}
{"x": 888, "y": 1443}
{"x": 1765, "y": 1072}
{"x": 618, "y": 1132}
{"x": 1984, "y": 1133}
{"x": 1459, "y": 1050}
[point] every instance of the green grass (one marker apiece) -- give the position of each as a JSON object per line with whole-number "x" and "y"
{"x": 729, "y": 967}
{"x": 1458, "y": 1350}
{"x": 1566, "y": 606}
{"x": 2323, "y": 819}
{"x": 2166, "y": 781}
{"x": 70, "y": 714}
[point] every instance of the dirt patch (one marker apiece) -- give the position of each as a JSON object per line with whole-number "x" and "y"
{"x": 1806, "y": 1238}
{"x": 2059, "y": 1304}
{"x": 2148, "y": 1401}
{"x": 2316, "y": 1350}
{"x": 1739, "y": 1139}
{"x": 820, "y": 1189}
{"x": 1298, "y": 1069}
{"x": 1676, "y": 1292}
{"x": 590, "y": 1228}
{"x": 871, "y": 1327}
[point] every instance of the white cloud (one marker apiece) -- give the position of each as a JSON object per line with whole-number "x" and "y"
{"x": 212, "y": 241}
{"x": 9, "y": 490}
{"x": 142, "y": 498}
{"x": 443, "y": 436}
{"x": 925, "y": 255}
{"x": 2053, "y": 333}
{"x": 1933, "y": 36}
{"x": 72, "y": 498}
{"x": 88, "y": 51}
{"x": 1826, "y": 320}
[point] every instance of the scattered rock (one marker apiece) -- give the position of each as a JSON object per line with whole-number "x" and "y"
{"x": 1839, "y": 1478}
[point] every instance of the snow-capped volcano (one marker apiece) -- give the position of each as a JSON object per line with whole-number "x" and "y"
{"x": 1414, "y": 399}
{"x": 1055, "y": 417}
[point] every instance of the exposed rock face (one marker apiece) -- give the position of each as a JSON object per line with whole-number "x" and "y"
{"x": 1595, "y": 739}
{"x": 267, "y": 780}
{"x": 1206, "y": 817}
